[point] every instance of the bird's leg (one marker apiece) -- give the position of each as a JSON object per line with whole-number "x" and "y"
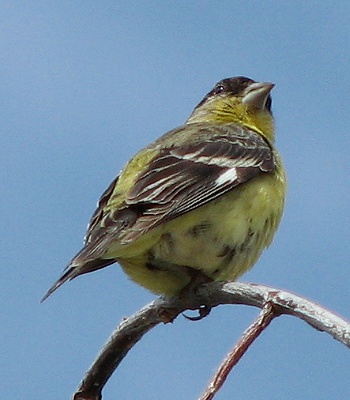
{"x": 198, "y": 278}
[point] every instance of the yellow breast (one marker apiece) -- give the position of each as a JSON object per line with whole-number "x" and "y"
{"x": 223, "y": 238}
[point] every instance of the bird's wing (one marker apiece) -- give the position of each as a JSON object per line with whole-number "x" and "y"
{"x": 180, "y": 179}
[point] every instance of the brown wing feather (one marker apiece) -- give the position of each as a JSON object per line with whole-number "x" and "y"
{"x": 97, "y": 215}
{"x": 184, "y": 178}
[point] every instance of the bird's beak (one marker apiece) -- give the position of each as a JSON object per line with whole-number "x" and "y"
{"x": 257, "y": 93}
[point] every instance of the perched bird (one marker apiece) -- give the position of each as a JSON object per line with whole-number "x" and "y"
{"x": 203, "y": 200}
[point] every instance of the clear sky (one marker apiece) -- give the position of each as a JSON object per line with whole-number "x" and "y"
{"x": 86, "y": 84}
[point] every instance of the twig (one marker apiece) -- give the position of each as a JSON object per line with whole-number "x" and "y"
{"x": 285, "y": 303}
{"x": 130, "y": 331}
{"x": 266, "y": 315}
{"x": 125, "y": 336}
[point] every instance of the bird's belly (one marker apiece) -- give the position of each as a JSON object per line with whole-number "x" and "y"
{"x": 222, "y": 239}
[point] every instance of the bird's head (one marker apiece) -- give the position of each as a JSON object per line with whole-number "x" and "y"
{"x": 238, "y": 100}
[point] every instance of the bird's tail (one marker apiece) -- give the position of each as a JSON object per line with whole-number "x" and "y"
{"x": 67, "y": 276}
{"x": 75, "y": 268}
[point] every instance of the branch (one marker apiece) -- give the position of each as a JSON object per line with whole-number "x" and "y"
{"x": 266, "y": 315}
{"x": 165, "y": 310}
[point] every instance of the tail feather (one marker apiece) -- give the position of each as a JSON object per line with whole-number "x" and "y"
{"x": 67, "y": 276}
{"x": 73, "y": 270}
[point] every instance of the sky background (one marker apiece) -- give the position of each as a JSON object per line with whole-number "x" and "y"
{"x": 86, "y": 84}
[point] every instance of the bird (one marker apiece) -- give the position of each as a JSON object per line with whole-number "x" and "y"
{"x": 199, "y": 204}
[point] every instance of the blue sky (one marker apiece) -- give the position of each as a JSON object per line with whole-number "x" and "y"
{"x": 84, "y": 85}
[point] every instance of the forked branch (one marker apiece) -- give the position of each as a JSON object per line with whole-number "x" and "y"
{"x": 272, "y": 301}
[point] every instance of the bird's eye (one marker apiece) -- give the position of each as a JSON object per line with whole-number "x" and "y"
{"x": 219, "y": 89}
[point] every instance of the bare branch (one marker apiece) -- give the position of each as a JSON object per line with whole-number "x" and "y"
{"x": 165, "y": 310}
{"x": 125, "y": 336}
{"x": 266, "y": 315}
{"x": 286, "y": 303}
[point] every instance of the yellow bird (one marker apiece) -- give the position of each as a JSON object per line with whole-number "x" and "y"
{"x": 204, "y": 200}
